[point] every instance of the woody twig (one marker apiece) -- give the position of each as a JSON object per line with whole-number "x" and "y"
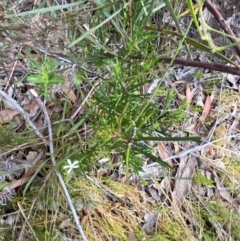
{"x": 223, "y": 24}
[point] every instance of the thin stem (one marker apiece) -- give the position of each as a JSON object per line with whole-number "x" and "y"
{"x": 24, "y": 115}
{"x": 60, "y": 178}
{"x": 51, "y": 147}
{"x": 222, "y": 23}
{"x": 205, "y": 65}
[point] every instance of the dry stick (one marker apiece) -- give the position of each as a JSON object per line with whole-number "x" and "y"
{"x": 24, "y": 115}
{"x": 205, "y": 65}
{"x": 199, "y": 148}
{"x": 31, "y": 209}
{"x": 51, "y": 147}
{"x": 95, "y": 85}
{"x": 210, "y": 212}
{"x": 26, "y": 222}
{"x": 11, "y": 74}
{"x": 223, "y": 24}
{"x": 60, "y": 178}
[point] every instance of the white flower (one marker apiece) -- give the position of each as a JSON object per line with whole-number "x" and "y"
{"x": 71, "y": 165}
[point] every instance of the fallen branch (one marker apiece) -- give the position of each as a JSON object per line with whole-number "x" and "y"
{"x": 205, "y": 65}
{"x": 202, "y": 146}
{"x": 223, "y": 24}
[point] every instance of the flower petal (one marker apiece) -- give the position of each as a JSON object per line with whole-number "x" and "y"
{"x": 75, "y": 163}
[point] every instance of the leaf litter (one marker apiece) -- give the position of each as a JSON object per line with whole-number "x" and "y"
{"x": 157, "y": 199}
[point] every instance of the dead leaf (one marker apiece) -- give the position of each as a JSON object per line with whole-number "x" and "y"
{"x": 11, "y": 219}
{"x": 58, "y": 108}
{"x": 153, "y": 169}
{"x": 34, "y": 158}
{"x": 155, "y": 192}
{"x": 17, "y": 65}
{"x": 199, "y": 97}
{"x": 163, "y": 153}
{"x": 222, "y": 190}
{"x": 68, "y": 226}
{"x": 190, "y": 93}
{"x": 84, "y": 219}
{"x": 211, "y": 151}
{"x": 176, "y": 147}
{"x": 149, "y": 222}
{"x": 153, "y": 85}
{"x": 50, "y": 104}
{"x": 78, "y": 205}
{"x": 192, "y": 129}
{"x": 234, "y": 127}
{"x": 65, "y": 224}
{"x": 233, "y": 79}
{"x": 32, "y": 107}
{"x": 162, "y": 150}
{"x": 182, "y": 184}
{"x": 15, "y": 184}
{"x": 7, "y": 115}
{"x": 131, "y": 236}
{"x": 102, "y": 172}
{"x": 206, "y": 109}
{"x": 31, "y": 155}
{"x": 179, "y": 82}
{"x": 69, "y": 93}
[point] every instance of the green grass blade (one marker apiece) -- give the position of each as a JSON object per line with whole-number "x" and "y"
{"x": 175, "y": 19}
{"x": 199, "y": 45}
{"x": 33, "y": 177}
{"x": 193, "y": 14}
{"x": 173, "y": 15}
{"x": 194, "y": 43}
{"x": 149, "y": 13}
{"x": 153, "y": 138}
{"x": 99, "y": 45}
{"x": 86, "y": 34}
{"x": 152, "y": 157}
{"x": 49, "y": 9}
